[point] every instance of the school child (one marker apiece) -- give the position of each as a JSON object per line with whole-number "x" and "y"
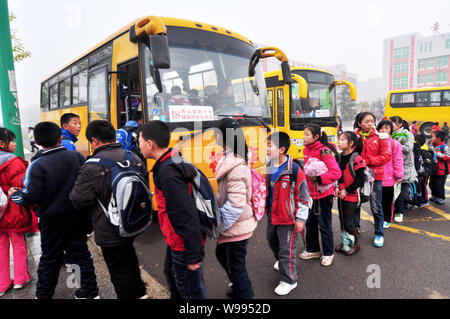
{"x": 428, "y": 163}
{"x": 376, "y": 153}
{"x": 15, "y": 220}
{"x": 48, "y": 182}
{"x": 288, "y": 186}
{"x": 70, "y": 128}
{"x": 437, "y": 181}
{"x": 177, "y": 214}
{"x": 414, "y": 129}
{"x": 347, "y": 191}
{"x": 393, "y": 173}
{"x": 92, "y": 188}
{"x": 406, "y": 139}
{"x": 234, "y": 199}
{"x": 317, "y": 147}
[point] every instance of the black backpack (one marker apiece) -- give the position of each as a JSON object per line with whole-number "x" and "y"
{"x": 429, "y": 163}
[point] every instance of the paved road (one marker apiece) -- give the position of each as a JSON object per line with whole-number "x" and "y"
{"x": 413, "y": 263}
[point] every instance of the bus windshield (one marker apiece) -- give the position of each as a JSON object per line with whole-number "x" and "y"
{"x": 208, "y": 79}
{"x": 320, "y": 103}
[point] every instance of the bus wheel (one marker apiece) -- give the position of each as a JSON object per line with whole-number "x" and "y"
{"x": 425, "y": 129}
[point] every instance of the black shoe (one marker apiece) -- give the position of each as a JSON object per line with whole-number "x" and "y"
{"x": 80, "y": 294}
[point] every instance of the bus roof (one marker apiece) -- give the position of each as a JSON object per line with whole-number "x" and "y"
{"x": 175, "y": 22}
{"x": 295, "y": 68}
{"x": 421, "y": 89}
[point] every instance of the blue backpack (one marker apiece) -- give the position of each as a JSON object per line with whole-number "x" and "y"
{"x": 205, "y": 199}
{"x": 127, "y": 137}
{"x": 130, "y": 208}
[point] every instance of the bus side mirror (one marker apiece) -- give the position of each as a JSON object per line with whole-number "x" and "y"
{"x": 159, "y": 46}
{"x": 348, "y": 84}
{"x": 286, "y": 71}
{"x": 302, "y": 86}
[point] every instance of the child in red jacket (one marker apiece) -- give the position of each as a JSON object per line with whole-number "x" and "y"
{"x": 16, "y": 220}
{"x": 347, "y": 191}
{"x": 437, "y": 181}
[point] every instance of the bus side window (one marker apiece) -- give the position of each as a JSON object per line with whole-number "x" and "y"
{"x": 270, "y": 102}
{"x": 280, "y": 107}
{"x": 445, "y": 98}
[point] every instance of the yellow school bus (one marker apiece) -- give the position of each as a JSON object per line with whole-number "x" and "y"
{"x": 292, "y": 110}
{"x": 425, "y": 106}
{"x": 185, "y": 73}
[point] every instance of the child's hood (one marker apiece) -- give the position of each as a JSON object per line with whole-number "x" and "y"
{"x": 5, "y": 159}
{"x": 227, "y": 163}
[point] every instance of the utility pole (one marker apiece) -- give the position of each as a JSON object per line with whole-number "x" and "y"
{"x": 10, "y": 115}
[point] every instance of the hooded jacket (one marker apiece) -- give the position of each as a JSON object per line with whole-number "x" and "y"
{"x": 406, "y": 139}
{"x": 443, "y": 156}
{"x": 376, "y": 152}
{"x": 393, "y": 170}
{"x": 16, "y": 218}
{"x": 234, "y": 197}
{"x": 324, "y": 154}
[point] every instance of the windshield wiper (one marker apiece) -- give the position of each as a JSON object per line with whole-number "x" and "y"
{"x": 248, "y": 117}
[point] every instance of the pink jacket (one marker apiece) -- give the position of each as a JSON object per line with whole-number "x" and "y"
{"x": 234, "y": 198}
{"x": 393, "y": 170}
{"x": 323, "y": 153}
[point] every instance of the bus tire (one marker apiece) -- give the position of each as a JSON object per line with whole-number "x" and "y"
{"x": 425, "y": 129}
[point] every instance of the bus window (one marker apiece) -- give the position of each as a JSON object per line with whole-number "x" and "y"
{"x": 422, "y": 99}
{"x": 280, "y": 107}
{"x": 44, "y": 96}
{"x": 54, "y": 97}
{"x": 445, "y": 98}
{"x": 270, "y": 100}
{"x": 435, "y": 98}
{"x": 79, "y": 88}
{"x": 64, "y": 93}
{"x": 98, "y": 103}
{"x": 404, "y": 99}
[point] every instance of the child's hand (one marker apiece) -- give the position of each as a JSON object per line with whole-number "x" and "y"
{"x": 336, "y": 192}
{"x": 342, "y": 194}
{"x": 12, "y": 190}
{"x": 299, "y": 226}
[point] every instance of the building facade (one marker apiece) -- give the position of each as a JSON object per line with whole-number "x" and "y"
{"x": 414, "y": 61}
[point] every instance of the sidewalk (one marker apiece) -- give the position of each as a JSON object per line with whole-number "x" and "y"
{"x": 154, "y": 289}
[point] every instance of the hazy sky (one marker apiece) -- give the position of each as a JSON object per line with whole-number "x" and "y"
{"x": 323, "y": 32}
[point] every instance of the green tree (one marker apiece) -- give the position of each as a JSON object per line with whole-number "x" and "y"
{"x": 19, "y": 51}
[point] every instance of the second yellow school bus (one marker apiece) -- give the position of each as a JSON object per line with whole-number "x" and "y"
{"x": 425, "y": 106}
{"x": 292, "y": 110}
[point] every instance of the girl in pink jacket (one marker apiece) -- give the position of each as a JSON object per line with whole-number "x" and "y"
{"x": 317, "y": 146}
{"x": 393, "y": 173}
{"x": 234, "y": 197}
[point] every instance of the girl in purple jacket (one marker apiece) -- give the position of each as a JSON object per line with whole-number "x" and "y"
{"x": 317, "y": 146}
{"x": 393, "y": 173}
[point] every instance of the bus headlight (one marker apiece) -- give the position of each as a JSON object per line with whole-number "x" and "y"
{"x": 297, "y": 142}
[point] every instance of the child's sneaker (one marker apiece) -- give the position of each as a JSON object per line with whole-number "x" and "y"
{"x": 2, "y": 293}
{"x": 276, "y": 266}
{"x": 386, "y": 224}
{"x": 424, "y": 204}
{"x": 306, "y": 255}
{"x": 398, "y": 218}
{"x": 80, "y": 294}
{"x": 20, "y": 286}
{"x": 284, "y": 288}
{"x": 327, "y": 260}
{"x": 378, "y": 241}
{"x": 439, "y": 201}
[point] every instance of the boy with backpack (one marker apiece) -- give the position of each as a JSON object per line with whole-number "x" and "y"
{"x": 48, "y": 182}
{"x": 427, "y": 167}
{"x": 70, "y": 128}
{"x": 93, "y": 192}
{"x": 288, "y": 187}
{"x": 128, "y": 135}
{"x": 437, "y": 180}
{"x": 177, "y": 213}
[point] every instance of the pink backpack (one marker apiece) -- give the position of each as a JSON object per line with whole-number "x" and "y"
{"x": 259, "y": 194}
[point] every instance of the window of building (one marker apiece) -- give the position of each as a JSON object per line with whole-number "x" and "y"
{"x": 400, "y": 82}
{"x": 430, "y": 63}
{"x": 401, "y": 53}
{"x": 447, "y": 43}
{"x": 420, "y": 79}
{"x": 441, "y": 77}
{"x": 443, "y": 61}
{"x": 430, "y": 46}
{"x": 401, "y": 67}
{"x": 430, "y": 78}
{"x": 421, "y": 64}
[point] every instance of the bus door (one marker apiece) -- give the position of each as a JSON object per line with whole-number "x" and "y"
{"x": 280, "y": 108}
{"x": 129, "y": 97}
